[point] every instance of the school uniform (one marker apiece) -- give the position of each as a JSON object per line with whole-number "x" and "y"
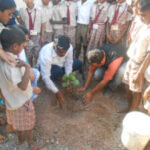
{"x": 137, "y": 52}
{"x": 19, "y": 109}
{"x": 83, "y": 19}
{"x": 33, "y": 20}
{"x": 70, "y": 28}
{"x": 98, "y": 19}
{"x": 59, "y": 12}
{"x": 47, "y": 12}
{"x": 118, "y": 15}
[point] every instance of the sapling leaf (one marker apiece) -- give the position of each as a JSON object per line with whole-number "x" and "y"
{"x": 65, "y": 78}
{"x": 64, "y": 84}
{"x": 72, "y": 77}
{"x": 75, "y": 82}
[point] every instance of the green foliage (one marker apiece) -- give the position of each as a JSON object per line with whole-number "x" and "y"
{"x": 70, "y": 79}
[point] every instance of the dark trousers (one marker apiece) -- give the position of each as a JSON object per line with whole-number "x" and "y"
{"x": 57, "y": 72}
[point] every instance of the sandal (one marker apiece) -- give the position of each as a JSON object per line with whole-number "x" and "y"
{"x": 2, "y": 121}
{"x": 2, "y": 139}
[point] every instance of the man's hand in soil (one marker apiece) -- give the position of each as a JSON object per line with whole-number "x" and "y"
{"x": 88, "y": 97}
{"x": 6, "y": 57}
{"x": 81, "y": 89}
{"x": 60, "y": 98}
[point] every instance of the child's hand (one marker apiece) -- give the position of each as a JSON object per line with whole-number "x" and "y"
{"x": 21, "y": 63}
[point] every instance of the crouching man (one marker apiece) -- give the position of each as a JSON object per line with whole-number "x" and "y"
{"x": 104, "y": 64}
{"x": 55, "y": 60}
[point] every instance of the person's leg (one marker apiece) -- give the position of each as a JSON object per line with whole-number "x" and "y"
{"x": 56, "y": 72}
{"x": 84, "y": 37}
{"x": 78, "y": 42}
{"x": 77, "y": 64}
{"x": 20, "y": 137}
{"x": 29, "y": 137}
{"x": 129, "y": 98}
{"x": 136, "y": 100}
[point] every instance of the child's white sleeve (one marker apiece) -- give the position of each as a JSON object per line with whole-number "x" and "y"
{"x": 13, "y": 74}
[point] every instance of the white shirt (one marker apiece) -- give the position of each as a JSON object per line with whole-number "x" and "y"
{"x": 59, "y": 12}
{"x": 140, "y": 45}
{"x": 84, "y": 11}
{"x": 47, "y": 13}
{"x": 47, "y": 58}
{"x": 73, "y": 11}
{"x": 9, "y": 79}
{"x": 23, "y": 56}
{"x": 38, "y": 15}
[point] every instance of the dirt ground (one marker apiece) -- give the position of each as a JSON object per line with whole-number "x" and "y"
{"x": 96, "y": 126}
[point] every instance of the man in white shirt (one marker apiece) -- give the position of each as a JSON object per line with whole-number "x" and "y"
{"x": 55, "y": 60}
{"x": 83, "y": 19}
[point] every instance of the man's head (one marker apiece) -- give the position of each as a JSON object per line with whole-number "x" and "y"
{"x": 96, "y": 57}
{"x": 29, "y": 3}
{"x": 7, "y": 7}
{"x": 12, "y": 39}
{"x": 61, "y": 45}
{"x": 45, "y": 2}
{"x": 144, "y": 10}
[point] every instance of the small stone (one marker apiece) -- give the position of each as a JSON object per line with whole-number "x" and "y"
{"x": 56, "y": 131}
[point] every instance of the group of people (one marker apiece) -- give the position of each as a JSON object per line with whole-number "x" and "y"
{"x": 53, "y": 33}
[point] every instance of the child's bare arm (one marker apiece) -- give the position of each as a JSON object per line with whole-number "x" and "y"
{"x": 25, "y": 79}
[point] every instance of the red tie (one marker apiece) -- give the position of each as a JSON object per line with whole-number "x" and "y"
{"x": 68, "y": 15}
{"x": 31, "y": 23}
{"x": 114, "y": 20}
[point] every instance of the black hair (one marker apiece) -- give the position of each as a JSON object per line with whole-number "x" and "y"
{"x": 10, "y": 36}
{"x": 95, "y": 56}
{"x": 144, "y": 5}
{"x": 7, "y": 4}
{"x": 24, "y": 29}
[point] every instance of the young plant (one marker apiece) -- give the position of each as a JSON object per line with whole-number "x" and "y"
{"x": 70, "y": 79}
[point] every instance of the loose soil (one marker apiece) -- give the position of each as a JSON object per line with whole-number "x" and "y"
{"x": 96, "y": 126}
